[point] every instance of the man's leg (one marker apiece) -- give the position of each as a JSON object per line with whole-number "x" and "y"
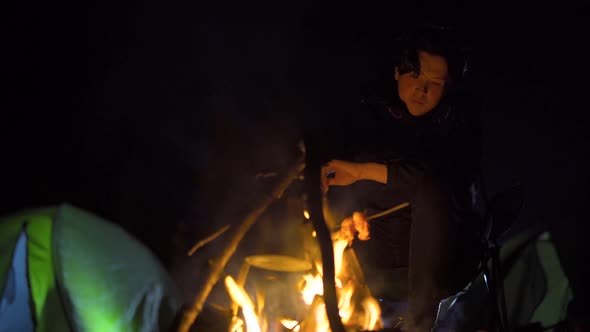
{"x": 432, "y": 250}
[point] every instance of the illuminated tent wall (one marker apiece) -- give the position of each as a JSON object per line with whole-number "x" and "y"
{"x": 63, "y": 269}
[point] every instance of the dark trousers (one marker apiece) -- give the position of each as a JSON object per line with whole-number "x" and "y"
{"x": 433, "y": 239}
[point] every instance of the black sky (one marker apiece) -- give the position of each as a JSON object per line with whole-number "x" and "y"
{"x": 158, "y": 115}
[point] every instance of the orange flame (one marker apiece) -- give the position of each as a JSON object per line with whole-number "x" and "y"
{"x": 322, "y": 323}
{"x": 363, "y": 315}
{"x": 367, "y": 316}
{"x": 239, "y": 295}
{"x": 345, "y": 305}
{"x": 372, "y": 313}
{"x": 339, "y": 246}
{"x": 313, "y": 285}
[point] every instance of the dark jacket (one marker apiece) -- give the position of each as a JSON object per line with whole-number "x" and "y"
{"x": 442, "y": 146}
{"x": 445, "y": 142}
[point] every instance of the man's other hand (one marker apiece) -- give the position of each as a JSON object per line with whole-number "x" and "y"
{"x": 340, "y": 173}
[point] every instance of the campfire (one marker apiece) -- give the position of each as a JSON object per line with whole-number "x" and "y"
{"x": 358, "y": 310}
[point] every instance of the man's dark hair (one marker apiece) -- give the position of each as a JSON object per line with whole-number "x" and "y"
{"x": 442, "y": 41}
{"x": 401, "y": 51}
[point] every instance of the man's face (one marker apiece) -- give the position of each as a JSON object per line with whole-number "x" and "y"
{"x": 421, "y": 92}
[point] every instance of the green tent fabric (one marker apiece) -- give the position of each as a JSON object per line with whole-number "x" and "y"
{"x": 536, "y": 288}
{"x": 87, "y": 274}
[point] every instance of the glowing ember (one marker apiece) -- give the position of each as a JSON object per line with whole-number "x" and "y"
{"x": 290, "y": 324}
{"x": 239, "y": 295}
{"x": 314, "y": 234}
{"x": 237, "y": 325}
{"x": 306, "y": 214}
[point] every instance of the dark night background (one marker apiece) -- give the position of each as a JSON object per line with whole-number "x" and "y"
{"x": 158, "y": 115}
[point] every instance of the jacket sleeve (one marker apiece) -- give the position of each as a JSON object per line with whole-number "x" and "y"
{"x": 404, "y": 175}
{"x": 451, "y": 156}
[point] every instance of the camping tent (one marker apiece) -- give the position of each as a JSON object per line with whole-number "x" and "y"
{"x": 64, "y": 269}
{"x": 537, "y": 290}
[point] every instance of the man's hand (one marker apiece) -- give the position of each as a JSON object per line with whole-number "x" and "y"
{"x": 340, "y": 173}
{"x": 343, "y": 173}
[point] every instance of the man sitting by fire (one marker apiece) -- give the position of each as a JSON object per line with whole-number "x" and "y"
{"x": 424, "y": 149}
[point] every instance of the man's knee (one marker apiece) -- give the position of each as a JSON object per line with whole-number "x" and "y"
{"x": 432, "y": 194}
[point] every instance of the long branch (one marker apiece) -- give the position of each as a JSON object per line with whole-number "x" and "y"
{"x": 190, "y": 314}
{"x": 207, "y": 240}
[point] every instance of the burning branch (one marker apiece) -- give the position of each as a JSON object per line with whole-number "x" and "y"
{"x": 239, "y": 296}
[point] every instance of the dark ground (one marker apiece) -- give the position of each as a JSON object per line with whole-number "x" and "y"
{"x": 157, "y": 116}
